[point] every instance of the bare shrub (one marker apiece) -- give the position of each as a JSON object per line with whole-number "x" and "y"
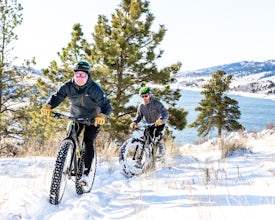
{"x": 171, "y": 148}
{"x": 105, "y": 147}
{"x": 34, "y": 148}
{"x": 270, "y": 125}
{"x": 229, "y": 145}
{"x": 10, "y": 148}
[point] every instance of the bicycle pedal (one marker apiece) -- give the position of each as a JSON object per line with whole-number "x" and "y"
{"x": 83, "y": 183}
{"x": 84, "y": 180}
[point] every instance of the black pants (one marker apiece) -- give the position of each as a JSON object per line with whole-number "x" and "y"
{"x": 89, "y": 136}
{"x": 158, "y": 131}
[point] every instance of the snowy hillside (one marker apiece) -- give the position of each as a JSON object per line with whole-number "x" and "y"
{"x": 195, "y": 184}
{"x": 248, "y": 77}
{"x": 238, "y": 69}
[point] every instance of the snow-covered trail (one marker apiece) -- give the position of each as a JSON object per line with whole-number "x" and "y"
{"x": 199, "y": 185}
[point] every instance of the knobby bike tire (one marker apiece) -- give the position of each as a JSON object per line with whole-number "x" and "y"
{"x": 133, "y": 159}
{"x": 80, "y": 189}
{"x": 60, "y": 172}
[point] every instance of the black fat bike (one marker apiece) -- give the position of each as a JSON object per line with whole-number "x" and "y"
{"x": 69, "y": 163}
{"x": 138, "y": 155}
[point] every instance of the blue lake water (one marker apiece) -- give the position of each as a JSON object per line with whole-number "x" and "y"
{"x": 256, "y": 113}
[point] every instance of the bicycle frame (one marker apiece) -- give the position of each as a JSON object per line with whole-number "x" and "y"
{"x": 71, "y": 134}
{"x": 70, "y": 161}
{"x": 150, "y": 142}
{"x": 78, "y": 149}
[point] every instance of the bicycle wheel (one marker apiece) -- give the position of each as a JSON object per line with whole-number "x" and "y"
{"x": 132, "y": 158}
{"x": 61, "y": 170}
{"x": 80, "y": 189}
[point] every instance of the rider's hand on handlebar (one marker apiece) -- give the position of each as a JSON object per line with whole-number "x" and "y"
{"x": 133, "y": 125}
{"x": 158, "y": 122}
{"x": 46, "y": 110}
{"x": 100, "y": 119}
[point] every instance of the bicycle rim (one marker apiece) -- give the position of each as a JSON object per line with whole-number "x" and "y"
{"x": 60, "y": 172}
{"x": 132, "y": 158}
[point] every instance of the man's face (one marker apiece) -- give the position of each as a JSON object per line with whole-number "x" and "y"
{"x": 80, "y": 78}
{"x": 146, "y": 98}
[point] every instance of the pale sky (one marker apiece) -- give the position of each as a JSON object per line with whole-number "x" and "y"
{"x": 201, "y": 33}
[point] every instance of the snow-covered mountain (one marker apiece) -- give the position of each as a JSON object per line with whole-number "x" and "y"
{"x": 252, "y": 77}
{"x": 238, "y": 69}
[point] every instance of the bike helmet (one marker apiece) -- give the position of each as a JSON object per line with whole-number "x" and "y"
{"x": 144, "y": 90}
{"x": 83, "y": 66}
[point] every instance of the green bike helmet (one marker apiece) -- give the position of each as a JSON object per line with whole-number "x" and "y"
{"x": 144, "y": 90}
{"x": 83, "y": 66}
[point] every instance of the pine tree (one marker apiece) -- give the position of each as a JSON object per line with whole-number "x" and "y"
{"x": 126, "y": 50}
{"x": 12, "y": 91}
{"x": 217, "y": 110}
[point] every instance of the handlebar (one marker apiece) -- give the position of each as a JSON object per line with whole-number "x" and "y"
{"x": 144, "y": 126}
{"x": 58, "y": 115}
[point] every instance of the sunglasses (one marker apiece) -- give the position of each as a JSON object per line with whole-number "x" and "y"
{"x": 144, "y": 96}
{"x": 80, "y": 75}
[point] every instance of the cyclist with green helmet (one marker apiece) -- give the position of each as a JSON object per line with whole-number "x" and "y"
{"x": 153, "y": 111}
{"x": 87, "y": 100}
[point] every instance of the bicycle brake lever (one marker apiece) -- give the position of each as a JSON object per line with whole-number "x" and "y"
{"x": 85, "y": 121}
{"x": 56, "y": 115}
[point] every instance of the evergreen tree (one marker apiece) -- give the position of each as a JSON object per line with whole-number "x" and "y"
{"x": 12, "y": 91}
{"x": 126, "y": 50}
{"x": 217, "y": 110}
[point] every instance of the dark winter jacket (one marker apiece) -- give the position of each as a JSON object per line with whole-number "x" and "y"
{"x": 152, "y": 111}
{"x": 87, "y": 101}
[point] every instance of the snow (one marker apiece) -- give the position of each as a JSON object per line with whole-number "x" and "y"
{"x": 195, "y": 183}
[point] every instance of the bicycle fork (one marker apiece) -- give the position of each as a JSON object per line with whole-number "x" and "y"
{"x": 141, "y": 153}
{"x": 73, "y": 164}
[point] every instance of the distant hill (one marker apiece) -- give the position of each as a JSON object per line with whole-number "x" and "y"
{"x": 252, "y": 77}
{"x": 238, "y": 69}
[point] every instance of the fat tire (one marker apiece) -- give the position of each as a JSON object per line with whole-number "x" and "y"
{"x": 128, "y": 158}
{"x": 60, "y": 172}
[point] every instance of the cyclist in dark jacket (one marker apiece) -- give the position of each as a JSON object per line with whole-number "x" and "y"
{"x": 87, "y": 100}
{"x": 153, "y": 111}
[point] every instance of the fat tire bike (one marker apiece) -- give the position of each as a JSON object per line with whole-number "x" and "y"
{"x": 69, "y": 164}
{"x": 138, "y": 155}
